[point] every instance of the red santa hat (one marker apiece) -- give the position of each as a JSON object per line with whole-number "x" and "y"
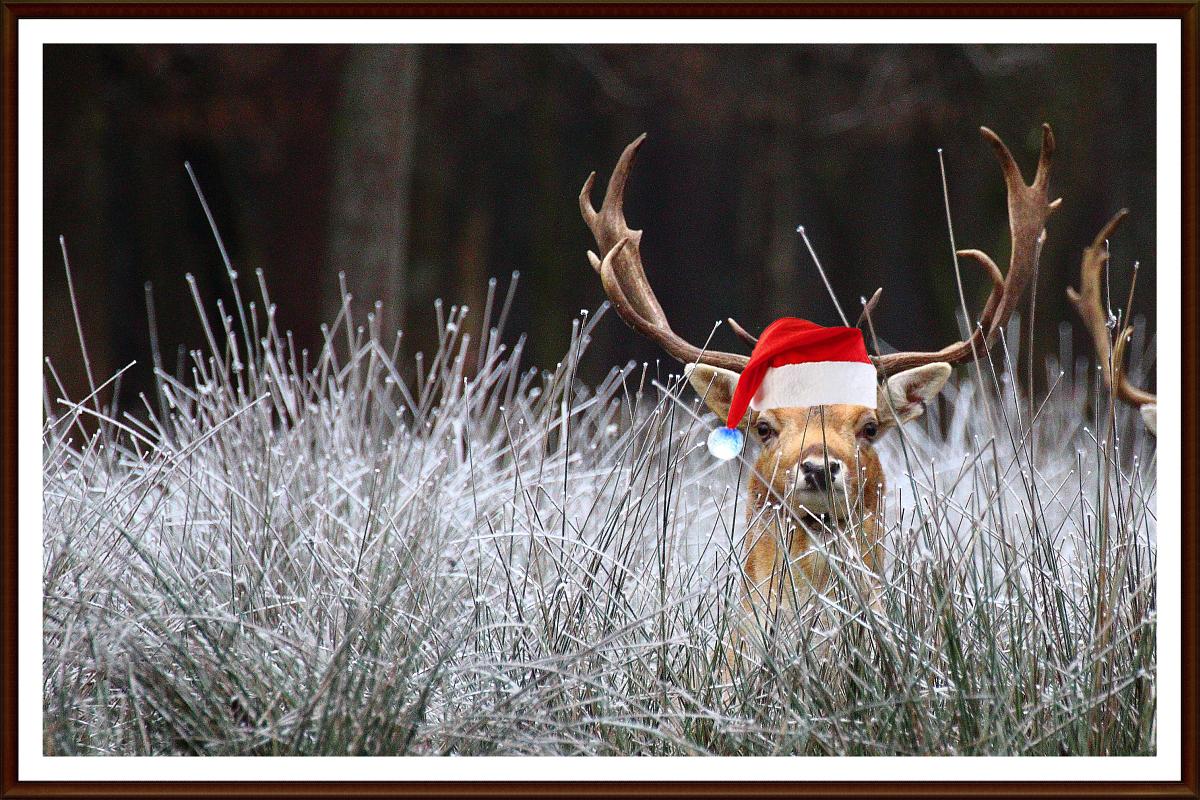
{"x": 799, "y": 363}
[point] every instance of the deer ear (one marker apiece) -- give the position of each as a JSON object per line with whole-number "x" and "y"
{"x": 715, "y": 385}
{"x": 1150, "y": 417}
{"x": 904, "y": 396}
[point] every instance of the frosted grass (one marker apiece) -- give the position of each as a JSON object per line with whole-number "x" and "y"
{"x": 293, "y": 553}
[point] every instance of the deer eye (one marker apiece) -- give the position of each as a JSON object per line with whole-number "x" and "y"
{"x": 870, "y": 430}
{"x": 765, "y": 431}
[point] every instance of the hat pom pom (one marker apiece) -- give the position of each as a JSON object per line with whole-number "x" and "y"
{"x": 725, "y": 443}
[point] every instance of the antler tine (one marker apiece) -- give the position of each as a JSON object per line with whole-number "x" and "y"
{"x": 741, "y": 332}
{"x": 1091, "y": 310}
{"x": 622, "y": 273}
{"x": 1028, "y": 211}
{"x": 868, "y": 307}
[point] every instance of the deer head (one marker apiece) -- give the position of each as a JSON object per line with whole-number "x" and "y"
{"x": 822, "y": 459}
{"x": 818, "y": 463}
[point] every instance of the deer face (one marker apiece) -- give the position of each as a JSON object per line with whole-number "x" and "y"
{"x": 821, "y": 461}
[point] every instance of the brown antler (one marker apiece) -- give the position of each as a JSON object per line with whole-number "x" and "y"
{"x": 1027, "y": 214}
{"x": 622, "y": 274}
{"x": 1091, "y": 310}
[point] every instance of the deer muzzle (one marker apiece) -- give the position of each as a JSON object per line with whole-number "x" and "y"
{"x": 818, "y": 474}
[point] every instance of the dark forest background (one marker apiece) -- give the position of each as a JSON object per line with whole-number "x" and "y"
{"x": 423, "y": 170}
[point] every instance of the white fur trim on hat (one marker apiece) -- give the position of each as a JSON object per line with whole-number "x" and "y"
{"x": 817, "y": 383}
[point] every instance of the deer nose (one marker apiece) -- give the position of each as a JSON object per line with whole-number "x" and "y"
{"x": 815, "y": 474}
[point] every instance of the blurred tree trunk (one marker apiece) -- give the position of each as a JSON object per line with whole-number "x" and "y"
{"x": 372, "y": 178}
{"x": 783, "y": 257}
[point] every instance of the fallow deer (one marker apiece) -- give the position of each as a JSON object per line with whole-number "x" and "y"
{"x": 1091, "y": 311}
{"x": 817, "y": 478}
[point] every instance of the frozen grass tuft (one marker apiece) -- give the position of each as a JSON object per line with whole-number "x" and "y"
{"x": 287, "y": 553}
